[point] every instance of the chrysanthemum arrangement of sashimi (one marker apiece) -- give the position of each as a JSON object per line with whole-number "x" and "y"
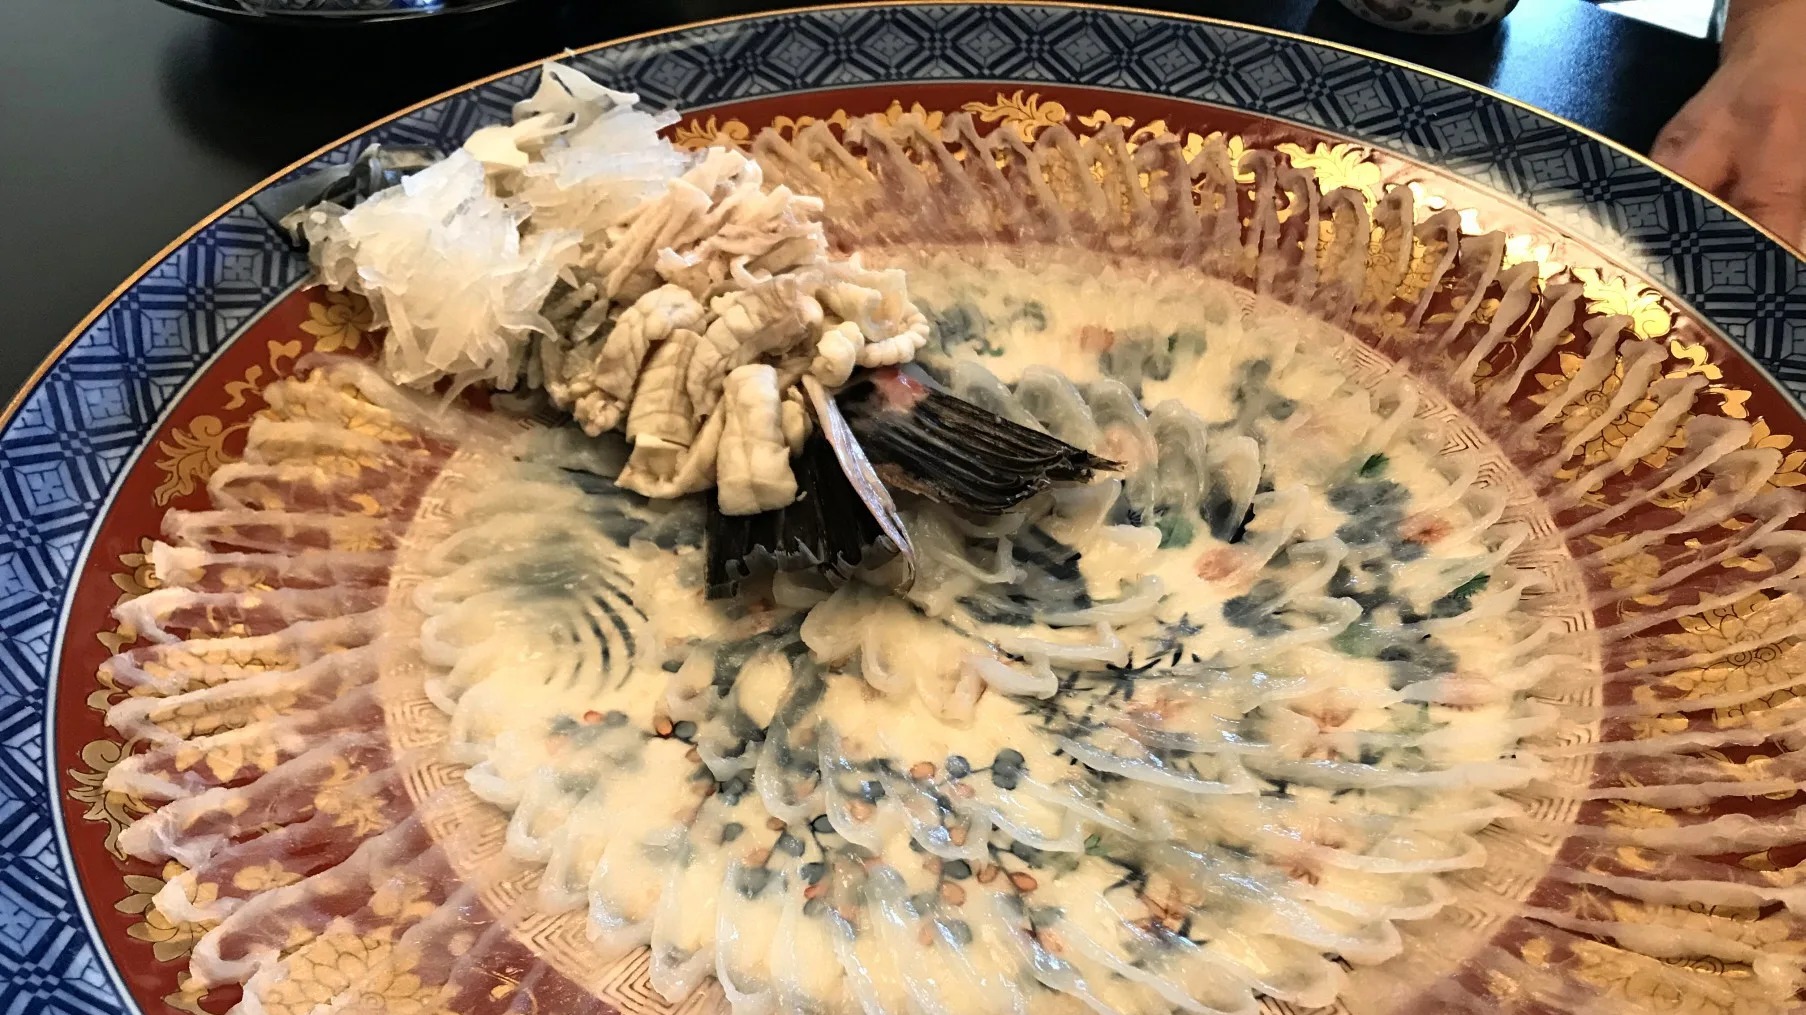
{"x": 1075, "y": 625}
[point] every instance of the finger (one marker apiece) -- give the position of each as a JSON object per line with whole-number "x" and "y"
{"x": 1774, "y": 196}
{"x": 1702, "y": 154}
{"x": 1696, "y": 142}
{"x": 1768, "y": 184}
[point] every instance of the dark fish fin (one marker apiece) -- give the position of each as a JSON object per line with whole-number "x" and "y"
{"x": 377, "y": 167}
{"x": 827, "y": 528}
{"x": 946, "y": 448}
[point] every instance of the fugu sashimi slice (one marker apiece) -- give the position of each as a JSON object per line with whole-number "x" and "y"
{"x": 1143, "y": 942}
{"x": 1323, "y": 830}
{"x": 402, "y": 863}
{"x": 176, "y": 614}
{"x": 545, "y": 806}
{"x": 301, "y": 485}
{"x": 277, "y": 531}
{"x": 982, "y": 967}
{"x": 182, "y": 768}
{"x": 575, "y": 848}
{"x": 174, "y": 667}
{"x": 201, "y": 571}
{"x": 1284, "y": 969}
{"x": 653, "y": 804}
{"x": 242, "y": 869}
{"x": 683, "y": 925}
{"x": 1203, "y": 879}
{"x": 873, "y": 968}
{"x": 907, "y": 932}
{"x": 349, "y": 394}
{"x": 804, "y": 976}
{"x": 748, "y": 912}
{"x": 197, "y": 826}
{"x": 250, "y": 699}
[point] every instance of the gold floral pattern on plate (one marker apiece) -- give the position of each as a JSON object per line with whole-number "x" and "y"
{"x": 116, "y": 810}
{"x": 169, "y": 940}
{"x": 193, "y": 453}
{"x": 330, "y": 963}
{"x": 1721, "y": 634}
{"x": 1028, "y": 113}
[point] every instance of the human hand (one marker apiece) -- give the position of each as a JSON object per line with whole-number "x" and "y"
{"x": 1743, "y": 137}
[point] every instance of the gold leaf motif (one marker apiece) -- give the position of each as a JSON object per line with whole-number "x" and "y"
{"x": 1758, "y": 768}
{"x": 1417, "y": 276}
{"x": 1586, "y": 410}
{"x": 1028, "y": 114}
{"x": 401, "y": 901}
{"x": 1734, "y": 402}
{"x": 930, "y": 119}
{"x": 116, "y": 810}
{"x": 264, "y": 877}
{"x": 1522, "y": 247}
{"x": 1754, "y": 713}
{"x": 1132, "y": 134}
{"x": 1790, "y": 473}
{"x": 1694, "y": 358}
{"x": 325, "y": 966}
{"x": 191, "y": 455}
{"x": 1649, "y": 316}
{"x": 339, "y": 324}
{"x": 1743, "y": 642}
{"x": 699, "y": 134}
{"x": 1645, "y": 727}
{"x": 226, "y": 761}
{"x": 1633, "y": 571}
{"x": 787, "y": 127}
{"x": 1624, "y": 814}
{"x": 1237, "y": 148}
{"x": 1339, "y": 165}
{"x": 187, "y": 997}
{"x": 169, "y": 940}
{"x": 245, "y": 389}
{"x": 281, "y": 352}
{"x": 139, "y": 578}
{"x": 1632, "y": 978}
{"x": 1097, "y": 118}
{"x": 349, "y": 807}
{"x": 1763, "y": 436}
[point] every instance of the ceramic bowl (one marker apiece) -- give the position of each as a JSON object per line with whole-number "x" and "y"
{"x": 1432, "y": 17}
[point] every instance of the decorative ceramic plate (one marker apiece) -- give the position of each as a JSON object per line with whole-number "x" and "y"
{"x": 156, "y": 392}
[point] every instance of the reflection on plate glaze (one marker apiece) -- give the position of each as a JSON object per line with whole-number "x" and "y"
{"x": 1601, "y": 964}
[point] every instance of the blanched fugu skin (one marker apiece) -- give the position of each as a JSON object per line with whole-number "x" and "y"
{"x": 716, "y": 274}
{"x": 1174, "y": 741}
{"x": 577, "y": 251}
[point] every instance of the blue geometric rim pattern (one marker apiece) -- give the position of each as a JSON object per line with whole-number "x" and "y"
{"x": 87, "y": 417}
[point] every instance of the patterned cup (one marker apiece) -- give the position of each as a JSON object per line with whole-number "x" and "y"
{"x": 1432, "y": 17}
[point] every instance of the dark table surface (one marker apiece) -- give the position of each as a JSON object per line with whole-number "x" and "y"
{"x": 124, "y": 121}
